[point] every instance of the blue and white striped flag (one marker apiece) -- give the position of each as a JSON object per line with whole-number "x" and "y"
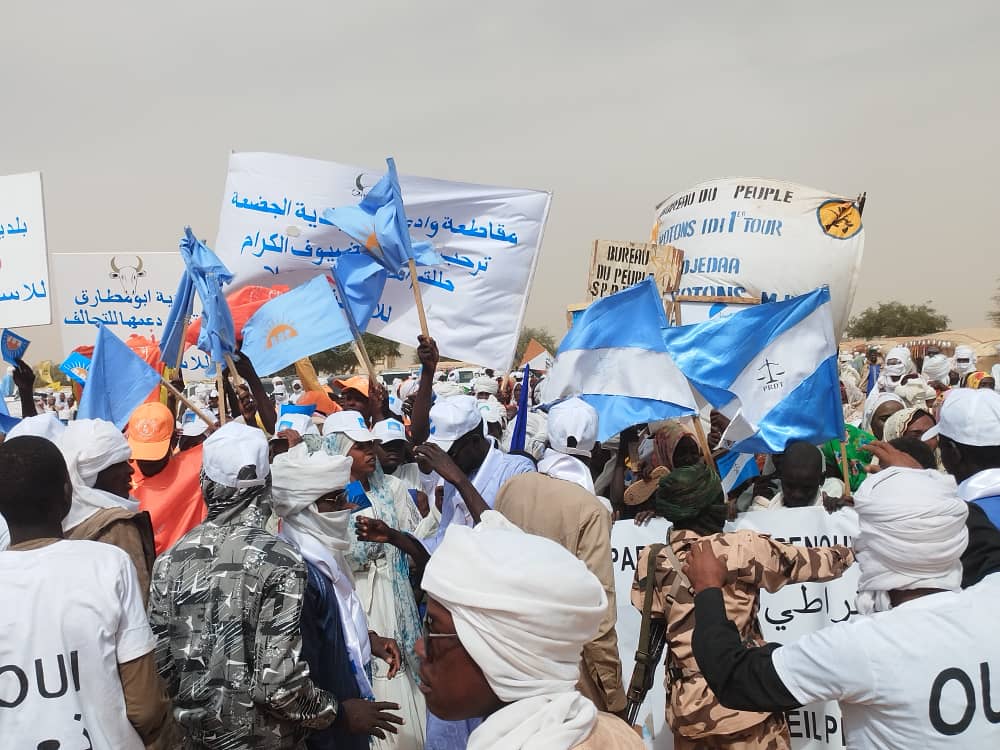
{"x": 615, "y": 359}
{"x": 772, "y": 369}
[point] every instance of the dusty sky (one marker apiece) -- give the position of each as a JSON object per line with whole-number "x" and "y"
{"x": 130, "y": 111}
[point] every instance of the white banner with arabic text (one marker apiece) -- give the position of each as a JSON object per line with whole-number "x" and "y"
{"x": 271, "y": 231}
{"x": 24, "y": 265}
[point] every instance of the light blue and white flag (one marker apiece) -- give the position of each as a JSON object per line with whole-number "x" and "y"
{"x": 735, "y": 469}
{"x": 299, "y": 323}
{"x": 615, "y": 359}
{"x": 772, "y": 369}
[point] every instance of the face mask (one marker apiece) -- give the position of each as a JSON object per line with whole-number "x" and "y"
{"x": 895, "y": 368}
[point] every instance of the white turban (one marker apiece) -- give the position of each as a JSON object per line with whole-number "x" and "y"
{"x": 485, "y": 384}
{"x": 90, "y": 446}
{"x": 408, "y": 388}
{"x": 229, "y": 449}
{"x": 41, "y": 425}
{"x": 912, "y": 534}
{"x": 937, "y": 368}
{"x": 898, "y": 362}
{"x": 298, "y": 479}
{"x": 523, "y": 608}
{"x": 965, "y": 352}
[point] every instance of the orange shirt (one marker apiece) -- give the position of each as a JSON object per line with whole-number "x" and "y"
{"x": 173, "y": 497}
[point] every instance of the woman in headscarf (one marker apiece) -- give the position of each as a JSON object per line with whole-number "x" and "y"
{"x": 308, "y": 495}
{"x": 975, "y": 379}
{"x": 97, "y": 456}
{"x": 507, "y": 617}
{"x": 672, "y": 445}
{"x": 382, "y": 576}
{"x": 879, "y": 409}
{"x": 692, "y": 498}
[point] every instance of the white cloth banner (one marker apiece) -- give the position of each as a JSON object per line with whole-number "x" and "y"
{"x": 798, "y": 609}
{"x": 271, "y": 231}
{"x": 24, "y": 265}
{"x": 129, "y": 292}
{"x": 627, "y": 543}
{"x": 765, "y": 240}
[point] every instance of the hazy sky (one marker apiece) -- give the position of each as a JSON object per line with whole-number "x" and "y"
{"x": 130, "y": 110}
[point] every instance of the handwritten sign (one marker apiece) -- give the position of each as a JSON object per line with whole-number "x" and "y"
{"x": 271, "y": 225}
{"x": 618, "y": 265}
{"x": 130, "y": 292}
{"x": 803, "y": 608}
{"x": 24, "y": 267}
{"x": 763, "y": 240}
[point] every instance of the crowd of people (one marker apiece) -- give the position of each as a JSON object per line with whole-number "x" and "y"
{"x": 396, "y": 568}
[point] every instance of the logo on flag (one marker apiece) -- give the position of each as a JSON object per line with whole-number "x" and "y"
{"x": 280, "y": 333}
{"x": 772, "y": 372}
{"x": 839, "y": 219}
{"x": 77, "y": 367}
{"x": 14, "y": 346}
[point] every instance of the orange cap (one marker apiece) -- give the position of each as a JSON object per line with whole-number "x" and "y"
{"x": 357, "y": 383}
{"x": 324, "y": 404}
{"x": 149, "y": 431}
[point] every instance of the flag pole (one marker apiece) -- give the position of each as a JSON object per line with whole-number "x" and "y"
{"x": 845, "y": 469}
{"x": 359, "y": 344}
{"x": 706, "y": 450}
{"x": 237, "y": 380}
{"x": 418, "y": 298}
{"x": 186, "y": 401}
{"x": 220, "y": 387}
{"x": 180, "y": 348}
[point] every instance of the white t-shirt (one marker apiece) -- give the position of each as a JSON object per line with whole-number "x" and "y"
{"x": 70, "y": 613}
{"x": 912, "y": 677}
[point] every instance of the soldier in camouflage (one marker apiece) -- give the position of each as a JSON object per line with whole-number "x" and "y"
{"x": 693, "y": 499}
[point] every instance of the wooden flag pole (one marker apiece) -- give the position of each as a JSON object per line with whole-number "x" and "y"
{"x": 845, "y": 468}
{"x": 359, "y": 345}
{"x": 221, "y": 388}
{"x": 187, "y": 402}
{"x": 180, "y": 348}
{"x": 237, "y": 380}
{"x": 418, "y": 298}
{"x": 706, "y": 449}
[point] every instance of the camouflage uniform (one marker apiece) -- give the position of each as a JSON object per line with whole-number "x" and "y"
{"x": 224, "y": 604}
{"x": 756, "y": 561}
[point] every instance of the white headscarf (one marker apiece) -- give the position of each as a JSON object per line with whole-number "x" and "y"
{"x": 45, "y": 425}
{"x": 875, "y": 400}
{"x": 90, "y": 446}
{"x": 523, "y": 607}
{"x": 485, "y": 384}
{"x": 902, "y": 363}
{"x": 965, "y": 352}
{"x": 298, "y": 479}
{"x": 912, "y": 534}
{"x": 936, "y": 369}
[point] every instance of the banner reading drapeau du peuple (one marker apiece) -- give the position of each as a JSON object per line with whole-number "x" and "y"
{"x": 271, "y": 230}
{"x": 24, "y": 267}
{"x": 764, "y": 240}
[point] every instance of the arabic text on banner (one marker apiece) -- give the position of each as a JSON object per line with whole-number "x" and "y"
{"x": 798, "y": 609}
{"x": 24, "y": 266}
{"x": 763, "y": 240}
{"x": 130, "y": 292}
{"x": 271, "y": 225}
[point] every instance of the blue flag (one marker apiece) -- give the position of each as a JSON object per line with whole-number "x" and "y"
{"x": 614, "y": 358}
{"x": 209, "y": 274}
{"x": 771, "y": 368}
{"x": 379, "y": 224}
{"x": 301, "y": 322}
{"x": 76, "y": 366}
{"x": 119, "y": 380}
{"x": 519, "y": 435}
{"x": 172, "y": 343}
{"x": 7, "y": 422}
{"x": 360, "y": 281}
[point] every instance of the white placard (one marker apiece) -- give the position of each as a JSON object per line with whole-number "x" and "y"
{"x": 271, "y": 231}
{"x": 765, "y": 240}
{"x": 627, "y": 543}
{"x": 803, "y": 608}
{"x": 24, "y": 267}
{"x": 129, "y": 292}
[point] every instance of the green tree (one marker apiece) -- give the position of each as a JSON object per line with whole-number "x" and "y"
{"x": 341, "y": 359}
{"x": 994, "y": 314}
{"x": 897, "y": 319}
{"x": 541, "y": 335}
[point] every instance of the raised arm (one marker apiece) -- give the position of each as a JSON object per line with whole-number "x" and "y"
{"x": 420, "y": 419}
{"x": 741, "y": 678}
{"x": 265, "y": 409}
{"x": 24, "y": 379}
{"x": 431, "y": 458}
{"x": 769, "y": 564}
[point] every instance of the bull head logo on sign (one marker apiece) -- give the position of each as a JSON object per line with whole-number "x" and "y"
{"x": 128, "y": 276}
